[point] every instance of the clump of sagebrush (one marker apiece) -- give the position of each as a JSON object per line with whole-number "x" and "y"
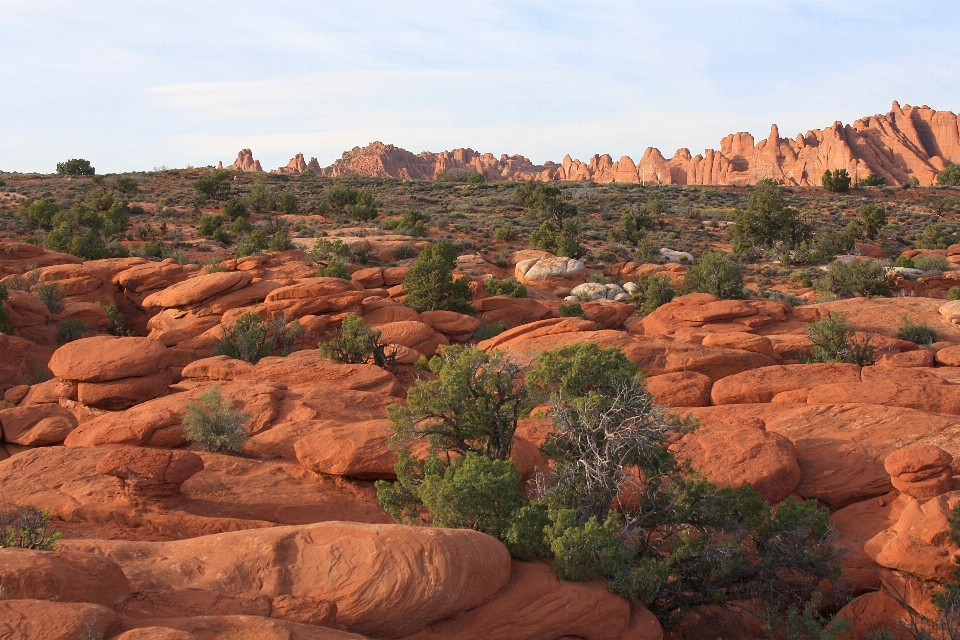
{"x": 51, "y": 294}
{"x": 355, "y": 343}
{"x": 833, "y": 341}
{"x": 918, "y": 333}
{"x": 863, "y": 277}
{"x": 70, "y": 330}
{"x": 717, "y": 274}
{"x": 509, "y": 287}
{"x": 652, "y": 291}
{"x": 251, "y": 338}
{"x": 213, "y": 424}
{"x": 27, "y": 529}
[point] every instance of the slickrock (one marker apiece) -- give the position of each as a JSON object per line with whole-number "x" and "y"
{"x": 356, "y": 450}
{"x": 28, "y": 619}
{"x": 36, "y": 425}
{"x": 375, "y": 573}
{"x": 550, "y": 273}
{"x": 196, "y": 289}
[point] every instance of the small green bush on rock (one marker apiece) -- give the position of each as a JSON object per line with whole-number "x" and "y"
{"x": 212, "y": 424}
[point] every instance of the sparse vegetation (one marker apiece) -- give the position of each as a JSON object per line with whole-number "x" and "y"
{"x": 355, "y": 343}
{"x": 75, "y": 167}
{"x": 70, "y": 330}
{"x": 26, "y": 528}
{"x": 212, "y": 423}
{"x": 717, "y": 274}
{"x": 430, "y": 286}
{"x": 863, "y": 277}
{"x": 834, "y": 341}
{"x": 918, "y": 333}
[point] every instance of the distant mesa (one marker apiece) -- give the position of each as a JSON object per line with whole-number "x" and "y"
{"x": 907, "y": 142}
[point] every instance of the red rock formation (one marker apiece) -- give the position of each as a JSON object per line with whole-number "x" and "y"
{"x": 296, "y": 166}
{"x": 245, "y": 162}
{"x": 904, "y": 143}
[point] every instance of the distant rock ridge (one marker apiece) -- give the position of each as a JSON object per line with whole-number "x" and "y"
{"x": 907, "y": 142}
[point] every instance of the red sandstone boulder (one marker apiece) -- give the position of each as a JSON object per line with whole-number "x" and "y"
{"x": 870, "y": 614}
{"x": 742, "y": 341}
{"x": 841, "y": 448}
{"x": 36, "y": 425}
{"x": 196, "y": 289}
{"x": 356, "y": 450}
{"x": 921, "y": 471}
{"x": 451, "y": 323}
{"x": 762, "y": 384}
{"x": 117, "y": 395}
{"x": 306, "y": 368}
{"x": 919, "y": 543}
{"x": 105, "y": 358}
{"x": 681, "y": 389}
{"x": 739, "y": 452}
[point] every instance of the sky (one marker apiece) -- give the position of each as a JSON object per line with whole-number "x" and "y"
{"x": 136, "y": 84}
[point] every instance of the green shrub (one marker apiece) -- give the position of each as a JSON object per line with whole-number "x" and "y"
{"x": 211, "y": 423}
{"x": 832, "y": 342}
{"x": 838, "y": 180}
{"x": 5, "y": 326}
{"x": 209, "y": 225}
{"x": 874, "y": 180}
{"x": 510, "y": 287}
{"x": 51, "y": 294}
{"x": 363, "y": 209}
{"x": 950, "y": 176}
{"x": 324, "y": 250}
{"x": 70, "y": 330}
{"x": 406, "y": 251}
{"x": 353, "y": 343}
{"x": 934, "y": 236}
{"x": 280, "y": 242}
{"x": 914, "y": 181}
{"x": 767, "y": 221}
{"x": 334, "y": 269}
{"x": 474, "y": 492}
{"x": 260, "y": 198}
{"x": 234, "y": 209}
{"x": 37, "y": 214}
{"x": 475, "y": 177}
{"x": 931, "y": 263}
{"x": 571, "y": 310}
{"x": 864, "y": 277}
{"x": 429, "y": 283}
{"x": 75, "y": 167}
{"x": 413, "y": 223}
{"x": 918, "y": 333}
{"x": 340, "y": 195}
{"x": 506, "y": 233}
{"x": 246, "y": 339}
{"x": 288, "y": 203}
{"x": 117, "y": 321}
{"x": 27, "y": 529}
{"x": 652, "y": 292}
{"x": 953, "y": 293}
{"x": 870, "y": 219}
{"x": 717, "y": 274}
{"x": 124, "y": 184}
{"x": 488, "y": 330}
{"x": 253, "y": 244}
{"x": 903, "y": 261}
{"x": 241, "y": 226}
{"x": 214, "y": 184}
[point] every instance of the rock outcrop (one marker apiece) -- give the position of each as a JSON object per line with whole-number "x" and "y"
{"x": 245, "y": 162}
{"x": 906, "y": 142}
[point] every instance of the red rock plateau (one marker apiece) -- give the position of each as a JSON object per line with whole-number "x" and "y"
{"x": 288, "y": 541}
{"x": 907, "y": 142}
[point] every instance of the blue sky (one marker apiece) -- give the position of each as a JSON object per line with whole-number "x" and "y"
{"x": 134, "y": 84}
